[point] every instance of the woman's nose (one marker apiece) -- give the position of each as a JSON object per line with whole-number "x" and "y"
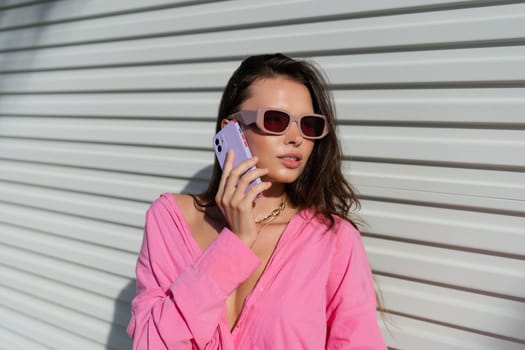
{"x": 293, "y": 134}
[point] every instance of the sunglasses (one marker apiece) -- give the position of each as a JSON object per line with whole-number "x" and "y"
{"x": 277, "y": 121}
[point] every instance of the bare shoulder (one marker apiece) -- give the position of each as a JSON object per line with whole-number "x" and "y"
{"x": 182, "y": 199}
{"x": 186, "y": 204}
{"x": 202, "y": 228}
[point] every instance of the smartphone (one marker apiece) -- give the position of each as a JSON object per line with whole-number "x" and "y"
{"x": 232, "y": 137}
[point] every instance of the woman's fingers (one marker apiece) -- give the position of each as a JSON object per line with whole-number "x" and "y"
{"x": 252, "y": 194}
{"x": 247, "y": 178}
{"x": 234, "y": 198}
{"x": 236, "y": 174}
{"x": 235, "y": 180}
{"x": 243, "y": 167}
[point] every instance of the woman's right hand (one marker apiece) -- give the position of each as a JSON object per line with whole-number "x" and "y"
{"x": 234, "y": 201}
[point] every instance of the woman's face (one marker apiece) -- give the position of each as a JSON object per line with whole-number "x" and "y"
{"x": 285, "y": 155}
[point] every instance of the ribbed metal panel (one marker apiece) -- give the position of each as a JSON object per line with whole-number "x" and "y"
{"x": 106, "y": 104}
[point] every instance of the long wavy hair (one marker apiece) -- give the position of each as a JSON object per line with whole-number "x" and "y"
{"x": 321, "y": 187}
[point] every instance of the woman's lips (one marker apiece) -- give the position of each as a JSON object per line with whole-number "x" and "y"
{"x": 291, "y": 161}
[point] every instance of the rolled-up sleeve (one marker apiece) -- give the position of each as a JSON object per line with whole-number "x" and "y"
{"x": 177, "y": 306}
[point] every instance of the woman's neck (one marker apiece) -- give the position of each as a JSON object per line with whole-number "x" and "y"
{"x": 272, "y": 200}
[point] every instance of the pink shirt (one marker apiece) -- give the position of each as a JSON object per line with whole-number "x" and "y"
{"x": 316, "y": 292}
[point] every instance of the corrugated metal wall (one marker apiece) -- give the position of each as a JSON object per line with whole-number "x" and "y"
{"x": 106, "y": 104}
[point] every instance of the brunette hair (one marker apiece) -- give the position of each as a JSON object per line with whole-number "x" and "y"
{"x": 322, "y": 186}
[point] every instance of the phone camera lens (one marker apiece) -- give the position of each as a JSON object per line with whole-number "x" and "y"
{"x": 217, "y": 142}
{"x": 219, "y": 148}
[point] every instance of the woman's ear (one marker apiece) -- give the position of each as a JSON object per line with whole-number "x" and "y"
{"x": 224, "y": 122}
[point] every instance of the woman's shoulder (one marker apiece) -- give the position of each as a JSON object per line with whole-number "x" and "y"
{"x": 170, "y": 199}
{"x": 183, "y": 200}
{"x": 170, "y": 213}
{"x": 187, "y": 207}
{"x": 334, "y": 224}
{"x": 173, "y": 204}
{"x": 344, "y": 232}
{"x": 344, "y": 224}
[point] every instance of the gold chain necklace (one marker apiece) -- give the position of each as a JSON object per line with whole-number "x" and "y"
{"x": 274, "y": 213}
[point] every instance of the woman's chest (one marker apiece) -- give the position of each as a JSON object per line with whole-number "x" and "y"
{"x": 288, "y": 304}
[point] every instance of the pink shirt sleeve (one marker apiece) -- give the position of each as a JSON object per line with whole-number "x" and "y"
{"x": 351, "y": 309}
{"x": 179, "y": 304}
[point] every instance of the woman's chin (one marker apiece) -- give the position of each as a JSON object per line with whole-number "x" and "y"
{"x": 281, "y": 178}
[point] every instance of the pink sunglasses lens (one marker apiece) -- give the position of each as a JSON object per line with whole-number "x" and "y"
{"x": 312, "y": 126}
{"x": 276, "y": 121}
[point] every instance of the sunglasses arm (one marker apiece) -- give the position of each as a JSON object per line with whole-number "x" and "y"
{"x": 245, "y": 117}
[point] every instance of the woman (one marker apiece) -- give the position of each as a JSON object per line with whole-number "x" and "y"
{"x": 275, "y": 266}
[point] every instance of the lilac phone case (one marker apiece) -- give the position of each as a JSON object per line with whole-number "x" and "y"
{"x": 232, "y": 137}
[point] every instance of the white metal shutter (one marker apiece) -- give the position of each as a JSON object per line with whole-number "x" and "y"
{"x": 106, "y": 104}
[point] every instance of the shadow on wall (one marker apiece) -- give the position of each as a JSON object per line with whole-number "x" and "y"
{"x": 118, "y": 338}
{"x": 12, "y": 17}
